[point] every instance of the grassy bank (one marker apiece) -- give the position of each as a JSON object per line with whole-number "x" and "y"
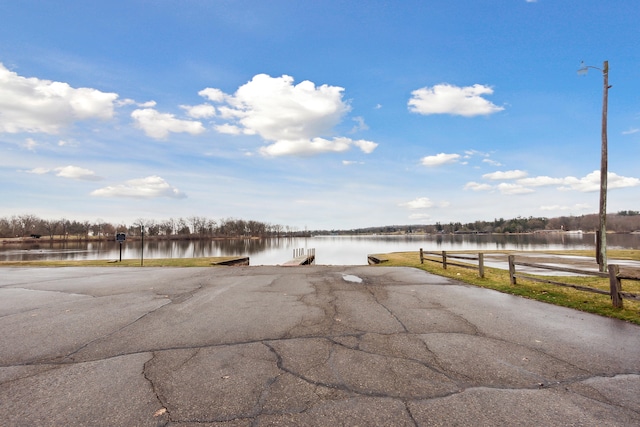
{"x": 498, "y": 280}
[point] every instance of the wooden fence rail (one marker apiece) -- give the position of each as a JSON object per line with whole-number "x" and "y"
{"x": 615, "y": 284}
{"x": 445, "y": 260}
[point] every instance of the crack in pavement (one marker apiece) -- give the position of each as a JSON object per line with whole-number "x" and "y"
{"x": 69, "y": 356}
{"x": 163, "y": 414}
{"x": 375, "y": 297}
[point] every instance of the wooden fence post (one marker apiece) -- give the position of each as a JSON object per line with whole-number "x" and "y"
{"x": 512, "y": 270}
{"x": 444, "y": 259}
{"x": 615, "y": 285}
{"x": 481, "y": 265}
{"x": 421, "y": 257}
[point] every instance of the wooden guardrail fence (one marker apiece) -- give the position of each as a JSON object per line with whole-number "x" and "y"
{"x": 615, "y": 283}
{"x": 614, "y": 275}
{"x": 615, "y": 279}
{"x": 445, "y": 260}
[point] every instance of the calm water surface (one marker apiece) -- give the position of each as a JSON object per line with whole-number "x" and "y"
{"x": 330, "y": 250}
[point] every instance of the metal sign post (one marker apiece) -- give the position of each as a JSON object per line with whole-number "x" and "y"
{"x": 120, "y": 237}
{"x": 142, "y": 246}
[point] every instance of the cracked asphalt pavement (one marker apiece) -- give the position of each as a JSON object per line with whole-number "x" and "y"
{"x": 301, "y": 346}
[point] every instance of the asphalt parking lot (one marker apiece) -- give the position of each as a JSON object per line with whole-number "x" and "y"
{"x": 301, "y": 346}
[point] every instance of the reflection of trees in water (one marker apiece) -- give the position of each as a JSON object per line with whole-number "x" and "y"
{"x": 212, "y": 248}
{"x": 514, "y": 241}
{"x": 77, "y": 250}
{"x": 251, "y": 246}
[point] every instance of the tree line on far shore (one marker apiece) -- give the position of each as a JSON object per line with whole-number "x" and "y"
{"x": 622, "y": 222}
{"x": 193, "y": 227}
{"x": 196, "y": 227}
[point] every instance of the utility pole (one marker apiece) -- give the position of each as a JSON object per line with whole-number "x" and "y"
{"x": 604, "y": 170}
{"x": 601, "y": 233}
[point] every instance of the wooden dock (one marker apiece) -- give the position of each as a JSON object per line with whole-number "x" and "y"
{"x": 376, "y": 259}
{"x": 233, "y": 261}
{"x": 300, "y": 257}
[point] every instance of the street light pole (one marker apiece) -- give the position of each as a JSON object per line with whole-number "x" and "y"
{"x": 601, "y": 238}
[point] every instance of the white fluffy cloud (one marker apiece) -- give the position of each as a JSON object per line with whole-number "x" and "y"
{"x": 143, "y": 188}
{"x": 30, "y": 144}
{"x": 491, "y": 162}
{"x": 360, "y": 125}
{"x": 128, "y": 101}
{"x": 295, "y": 119}
{"x": 305, "y": 147}
{"x": 510, "y": 188}
{"x": 476, "y": 186}
{"x": 448, "y": 99}
{"x": 540, "y": 181}
{"x": 419, "y": 203}
{"x": 71, "y": 172}
{"x": 588, "y": 183}
{"x": 422, "y": 203}
{"x": 215, "y": 95}
{"x": 501, "y": 175}
{"x": 440, "y": 159}
{"x": 158, "y": 125}
{"x": 228, "y": 129}
{"x": 366, "y": 146}
{"x": 44, "y": 106}
{"x": 504, "y": 188}
{"x": 591, "y": 182}
{"x": 201, "y": 111}
{"x": 39, "y": 171}
{"x": 75, "y": 172}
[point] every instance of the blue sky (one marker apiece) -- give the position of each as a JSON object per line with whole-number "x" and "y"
{"x": 316, "y": 114}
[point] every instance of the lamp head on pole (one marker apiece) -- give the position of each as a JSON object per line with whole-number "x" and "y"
{"x": 583, "y": 70}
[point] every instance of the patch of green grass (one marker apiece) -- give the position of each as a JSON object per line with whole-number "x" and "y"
{"x": 151, "y": 262}
{"x": 498, "y": 280}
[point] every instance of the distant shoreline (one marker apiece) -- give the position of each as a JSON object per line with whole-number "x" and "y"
{"x": 61, "y": 239}
{"x": 65, "y": 239}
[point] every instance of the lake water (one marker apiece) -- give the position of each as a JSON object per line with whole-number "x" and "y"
{"x": 330, "y": 250}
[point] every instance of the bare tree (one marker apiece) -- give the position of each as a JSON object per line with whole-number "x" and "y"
{"x": 29, "y": 224}
{"x": 5, "y": 227}
{"x": 168, "y": 227}
{"x": 182, "y": 227}
{"x": 64, "y": 227}
{"x": 153, "y": 228}
{"x": 50, "y": 226}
